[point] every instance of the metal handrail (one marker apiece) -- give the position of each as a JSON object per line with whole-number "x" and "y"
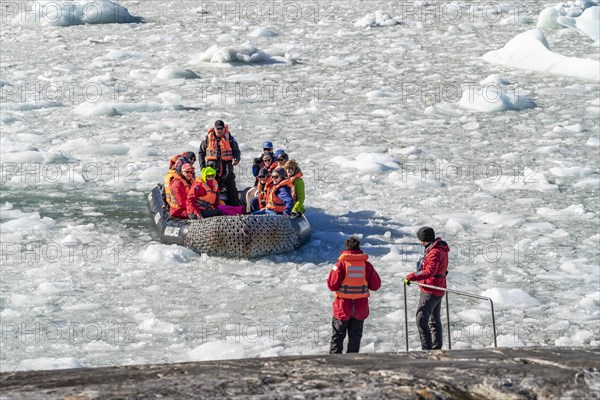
{"x": 475, "y": 296}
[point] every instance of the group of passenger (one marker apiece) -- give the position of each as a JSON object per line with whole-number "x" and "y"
{"x": 278, "y": 187}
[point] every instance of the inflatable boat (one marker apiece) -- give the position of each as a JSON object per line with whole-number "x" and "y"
{"x": 243, "y": 236}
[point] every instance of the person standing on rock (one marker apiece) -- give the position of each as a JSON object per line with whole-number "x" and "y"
{"x": 351, "y": 278}
{"x": 431, "y": 270}
{"x": 220, "y": 151}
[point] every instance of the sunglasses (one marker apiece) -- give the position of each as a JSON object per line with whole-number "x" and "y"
{"x": 267, "y": 159}
{"x": 189, "y": 171}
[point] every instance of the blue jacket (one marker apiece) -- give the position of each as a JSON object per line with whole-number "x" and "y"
{"x": 285, "y": 194}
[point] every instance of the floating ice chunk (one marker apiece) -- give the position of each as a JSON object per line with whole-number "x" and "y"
{"x": 54, "y": 287}
{"x": 154, "y": 325}
{"x": 547, "y": 19}
{"x": 510, "y": 297}
{"x": 22, "y": 300}
{"x": 29, "y": 222}
{"x": 590, "y": 301}
{"x": 68, "y": 13}
{"x": 491, "y": 98}
{"x": 571, "y": 171}
{"x": 153, "y": 174}
{"x": 569, "y": 212}
{"x": 46, "y": 363}
{"x": 30, "y": 106}
{"x": 170, "y": 98}
{"x": 88, "y": 108}
{"x": 106, "y": 78}
{"x": 576, "y": 128}
{"x": 587, "y": 23}
{"x": 379, "y": 18}
{"x": 593, "y": 141}
{"x": 263, "y": 32}
{"x": 366, "y": 162}
{"x": 494, "y": 79}
{"x": 245, "y": 54}
{"x": 334, "y": 61}
{"x": 170, "y": 72}
{"x": 124, "y": 54}
{"x": 530, "y": 50}
{"x": 161, "y": 253}
{"x": 217, "y": 350}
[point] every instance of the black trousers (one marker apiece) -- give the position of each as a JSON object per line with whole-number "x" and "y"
{"x": 354, "y": 327}
{"x": 228, "y": 182}
{"x": 429, "y": 321}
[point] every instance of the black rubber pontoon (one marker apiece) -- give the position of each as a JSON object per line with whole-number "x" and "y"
{"x": 243, "y": 236}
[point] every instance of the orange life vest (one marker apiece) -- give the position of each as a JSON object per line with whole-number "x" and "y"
{"x": 169, "y": 196}
{"x": 263, "y": 192}
{"x": 207, "y": 202}
{"x": 354, "y": 285}
{"x": 274, "y": 203}
{"x": 291, "y": 180}
{"x": 211, "y": 146}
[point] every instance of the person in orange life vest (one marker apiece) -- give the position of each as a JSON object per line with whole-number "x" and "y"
{"x": 279, "y": 197}
{"x": 220, "y": 151}
{"x": 265, "y": 182}
{"x": 294, "y": 174}
{"x": 203, "y": 198}
{"x": 180, "y": 185}
{"x": 175, "y": 165}
{"x": 351, "y": 278}
{"x": 431, "y": 270}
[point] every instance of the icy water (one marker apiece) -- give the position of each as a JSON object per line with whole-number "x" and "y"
{"x": 364, "y": 111}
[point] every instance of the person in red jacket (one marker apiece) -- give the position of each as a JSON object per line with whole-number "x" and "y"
{"x": 351, "y": 278}
{"x": 431, "y": 270}
{"x": 180, "y": 185}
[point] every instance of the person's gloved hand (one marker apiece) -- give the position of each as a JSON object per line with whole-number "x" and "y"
{"x": 192, "y": 216}
{"x": 257, "y": 161}
{"x": 406, "y": 282}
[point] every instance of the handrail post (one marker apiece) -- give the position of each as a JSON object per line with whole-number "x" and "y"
{"x": 493, "y": 321}
{"x": 405, "y": 317}
{"x": 448, "y": 322}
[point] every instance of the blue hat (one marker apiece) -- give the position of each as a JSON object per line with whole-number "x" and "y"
{"x": 281, "y": 155}
{"x": 268, "y": 145}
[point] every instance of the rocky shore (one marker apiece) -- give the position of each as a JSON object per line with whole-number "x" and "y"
{"x": 505, "y": 373}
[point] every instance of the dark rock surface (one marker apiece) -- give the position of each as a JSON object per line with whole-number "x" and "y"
{"x": 523, "y": 373}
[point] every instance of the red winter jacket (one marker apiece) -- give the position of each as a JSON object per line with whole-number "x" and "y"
{"x": 435, "y": 267}
{"x": 344, "y": 309}
{"x": 179, "y": 188}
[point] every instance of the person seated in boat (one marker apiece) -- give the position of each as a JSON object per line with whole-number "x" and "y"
{"x": 294, "y": 174}
{"x": 259, "y": 162}
{"x": 175, "y": 165}
{"x": 279, "y": 198}
{"x": 259, "y": 200}
{"x": 281, "y": 158}
{"x": 180, "y": 186}
{"x": 203, "y": 198}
